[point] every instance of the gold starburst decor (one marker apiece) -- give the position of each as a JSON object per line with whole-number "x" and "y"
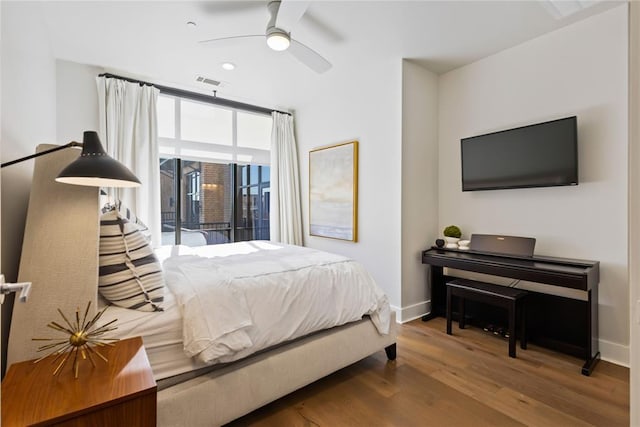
{"x": 82, "y": 336}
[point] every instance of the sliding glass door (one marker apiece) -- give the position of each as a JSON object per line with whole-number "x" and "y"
{"x": 211, "y": 203}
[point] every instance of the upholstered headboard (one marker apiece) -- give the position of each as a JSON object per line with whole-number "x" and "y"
{"x": 59, "y": 254}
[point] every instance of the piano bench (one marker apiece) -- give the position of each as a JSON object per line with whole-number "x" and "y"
{"x": 509, "y": 298}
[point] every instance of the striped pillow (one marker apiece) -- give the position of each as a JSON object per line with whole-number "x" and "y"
{"x": 128, "y": 214}
{"x": 130, "y": 274}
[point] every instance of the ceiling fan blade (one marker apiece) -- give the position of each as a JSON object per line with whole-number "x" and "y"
{"x": 290, "y": 13}
{"x": 224, "y": 39}
{"x": 309, "y": 57}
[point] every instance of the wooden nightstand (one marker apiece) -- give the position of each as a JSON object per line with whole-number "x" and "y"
{"x": 120, "y": 393}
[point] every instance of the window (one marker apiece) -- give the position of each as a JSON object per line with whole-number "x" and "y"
{"x": 198, "y": 130}
{"x": 205, "y": 123}
{"x": 214, "y": 172}
{"x": 193, "y": 199}
{"x": 252, "y": 214}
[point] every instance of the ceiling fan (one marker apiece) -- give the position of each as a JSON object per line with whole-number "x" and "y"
{"x": 284, "y": 15}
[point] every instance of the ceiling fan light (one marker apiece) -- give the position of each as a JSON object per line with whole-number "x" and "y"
{"x": 278, "y": 40}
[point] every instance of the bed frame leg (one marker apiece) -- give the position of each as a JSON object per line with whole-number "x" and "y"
{"x": 391, "y": 351}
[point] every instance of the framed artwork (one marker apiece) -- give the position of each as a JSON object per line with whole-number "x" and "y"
{"x": 333, "y": 191}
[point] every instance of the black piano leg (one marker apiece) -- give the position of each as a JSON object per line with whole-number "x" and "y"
{"x": 428, "y": 316}
{"x": 590, "y": 364}
{"x": 391, "y": 351}
{"x": 438, "y": 293}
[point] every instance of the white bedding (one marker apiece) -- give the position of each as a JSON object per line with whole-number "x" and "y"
{"x": 240, "y": 298}
{"x": 328, "y": 290}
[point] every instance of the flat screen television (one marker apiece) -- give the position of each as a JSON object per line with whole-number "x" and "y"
{"x": 538, "y": 155}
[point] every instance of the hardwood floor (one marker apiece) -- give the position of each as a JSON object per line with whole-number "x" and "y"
{"x": 462, "y": 380}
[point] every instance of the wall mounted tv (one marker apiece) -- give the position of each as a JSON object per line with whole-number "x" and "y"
{"x": 539, "y": 155}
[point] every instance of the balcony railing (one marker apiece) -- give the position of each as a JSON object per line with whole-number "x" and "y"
{"x": 217, "y": 232}
{"x": 168, "y": 217}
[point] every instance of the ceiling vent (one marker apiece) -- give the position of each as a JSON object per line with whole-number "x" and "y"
{"x": 208, "y": 81}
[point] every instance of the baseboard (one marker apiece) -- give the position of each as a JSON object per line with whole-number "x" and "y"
{"x": 614, "y": 352}
{"x": 411, "y": 312}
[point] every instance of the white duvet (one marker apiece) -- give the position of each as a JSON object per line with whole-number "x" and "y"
{"x": 240, "y": 298}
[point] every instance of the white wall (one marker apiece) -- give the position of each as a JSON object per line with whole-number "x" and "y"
{"x": 28, "y": 119}
{"x": 419, "y": 184}
{"x": 634, "y": 211}
{"x": 76, "y": 101}
{"x": 28, "y": 115}
{"x": 578, "y": 70}
{"x": 362, "y": 102}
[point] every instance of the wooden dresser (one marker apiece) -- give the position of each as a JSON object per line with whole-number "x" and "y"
{"x": 120, "y": 393}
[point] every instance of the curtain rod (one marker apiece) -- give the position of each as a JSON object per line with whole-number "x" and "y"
{"x": 198, "y": 96}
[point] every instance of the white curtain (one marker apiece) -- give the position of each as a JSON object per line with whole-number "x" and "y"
{"x": 285, "y": 211}
{"x": 128, "y": 129}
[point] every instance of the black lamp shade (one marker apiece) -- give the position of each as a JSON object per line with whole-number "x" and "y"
{"x": 96, "y": 168}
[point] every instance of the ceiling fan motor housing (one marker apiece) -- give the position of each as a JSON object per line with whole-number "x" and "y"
{"x": 278, "y": 39}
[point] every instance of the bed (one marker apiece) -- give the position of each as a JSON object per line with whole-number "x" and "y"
{"x": 223, "y": 388}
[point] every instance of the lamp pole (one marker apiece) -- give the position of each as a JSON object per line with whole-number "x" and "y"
{"x": 42, "y": 153}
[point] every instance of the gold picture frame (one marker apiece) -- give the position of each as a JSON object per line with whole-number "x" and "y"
{"x": 333, "y": 191}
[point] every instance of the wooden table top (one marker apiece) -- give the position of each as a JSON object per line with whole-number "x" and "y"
{"x": 31, "y": 394}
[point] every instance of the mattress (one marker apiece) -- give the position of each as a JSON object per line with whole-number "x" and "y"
{"x": 161, "y": 334}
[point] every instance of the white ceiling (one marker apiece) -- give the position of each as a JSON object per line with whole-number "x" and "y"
{"x": 151, "y": 41}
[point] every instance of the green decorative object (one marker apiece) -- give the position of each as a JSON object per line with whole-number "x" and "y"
{"x": 452, "y": 231}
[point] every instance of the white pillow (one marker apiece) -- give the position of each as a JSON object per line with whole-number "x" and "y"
{"x": 130, "y": 275}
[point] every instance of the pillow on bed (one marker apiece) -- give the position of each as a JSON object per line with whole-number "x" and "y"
{"x": 128, "y": 214}
{"x": 130, "y": 275}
